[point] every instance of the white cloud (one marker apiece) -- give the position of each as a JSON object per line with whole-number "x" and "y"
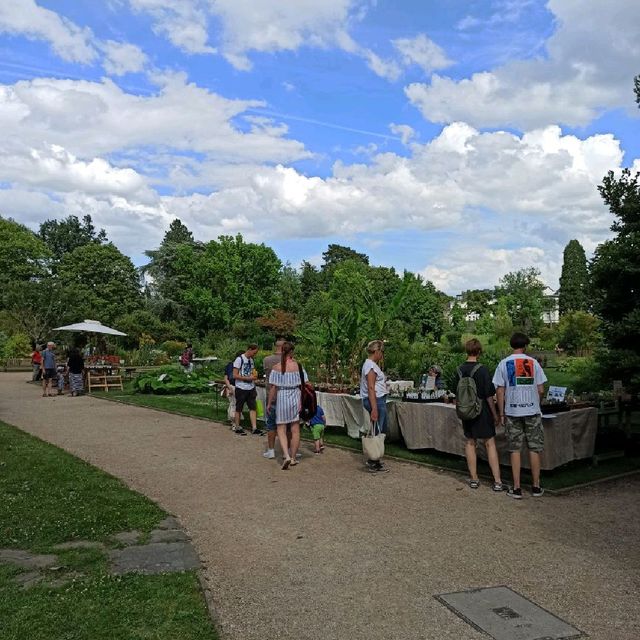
{"x": 68, "y": 40}
{"x": 252, "y": 25}
{"x": 423, "y": 52}
{"x": 122, "y": 58}
{"x": 388, "y": 69}
{"x": 405, "y": 132}
{"x": 91, "y": 119}
{"x": 591, "y": 59}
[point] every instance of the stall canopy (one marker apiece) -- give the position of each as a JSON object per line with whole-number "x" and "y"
{"x": 91, "y": 326}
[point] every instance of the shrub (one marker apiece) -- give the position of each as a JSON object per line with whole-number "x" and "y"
{"x": 171, "y": 381}
{"x": 17, "y": 346}
{"x": 173, "y": 347}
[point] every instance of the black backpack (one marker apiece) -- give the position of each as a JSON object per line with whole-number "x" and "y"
{"x": 308, "y": 399}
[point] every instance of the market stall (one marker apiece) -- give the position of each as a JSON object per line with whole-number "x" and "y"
{"x": 568, "y": 436}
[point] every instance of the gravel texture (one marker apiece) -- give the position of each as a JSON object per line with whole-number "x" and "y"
{"x": 328, "y": 551}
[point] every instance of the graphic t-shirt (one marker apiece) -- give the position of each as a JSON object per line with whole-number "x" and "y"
{"x": 520, "y": 375}
{"x": 245, "y": 366}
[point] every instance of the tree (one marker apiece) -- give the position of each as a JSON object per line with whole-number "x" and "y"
{"x": 64, "y": 236}
{"x": 615, "y": 274}
{"x": 99, "y": 282}
{"x": 574, "y": 280}
{"x": 171, "y": 264}
{"x": 23, "y": 256}
{"x": 522, "y": 293}
{"x": 336, "y": 253}
{"x": 478, "y": 300}
{"x": 578, "y": 332}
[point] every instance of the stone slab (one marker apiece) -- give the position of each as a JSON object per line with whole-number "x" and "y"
{"x": 504, "y": 614}
{"x": 154, "y": 558}
{"x": 128, "y": 537}
{"x": 170, "y": 522}
{"x": 27, "y": 560}
{"x": 78, "y": 544}
{"x": 168, "y": 535}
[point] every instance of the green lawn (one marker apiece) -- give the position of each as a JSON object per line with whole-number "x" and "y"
{"x": 203, "y": 406}
{"x": 47, "y": 497}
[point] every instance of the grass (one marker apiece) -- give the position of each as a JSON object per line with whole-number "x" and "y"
{"x": 203, "y": 406}
{"x": 47, "y": 497}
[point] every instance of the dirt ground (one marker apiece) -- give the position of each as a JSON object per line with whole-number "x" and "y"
{"x": 328, "y": 551}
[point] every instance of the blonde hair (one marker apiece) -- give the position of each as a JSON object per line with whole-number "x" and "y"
{"x": 375, "y": 345}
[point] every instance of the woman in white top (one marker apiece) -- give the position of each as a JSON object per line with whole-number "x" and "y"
{"x": 284, "y": 389}
{"x": 373, "y": 391}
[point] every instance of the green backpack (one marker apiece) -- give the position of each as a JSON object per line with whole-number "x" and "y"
{"x": 468, "y": 405}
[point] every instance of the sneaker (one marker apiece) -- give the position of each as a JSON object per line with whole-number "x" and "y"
{"x": 498, "y": 487}
{"x": 372, "y": 469}
{"x": 240, "y": 431}
{"x": 536, "y": 492}
{"x": 285, "y": 464}
{"x": 270, "y": 454}
{"x": 516, "y": 494}
{"x": 474, "y": 484}
{"x": 257, "y": 432}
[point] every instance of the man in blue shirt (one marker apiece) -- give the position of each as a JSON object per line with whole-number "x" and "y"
{"x": 49, "y": 369}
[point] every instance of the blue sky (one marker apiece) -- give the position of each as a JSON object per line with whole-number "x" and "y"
{"x": 435, "y": 136}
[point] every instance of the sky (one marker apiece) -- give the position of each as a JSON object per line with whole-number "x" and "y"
{"x": 458, "y": 139}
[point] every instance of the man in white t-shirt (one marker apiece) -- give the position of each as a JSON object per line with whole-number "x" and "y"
{"x": 244, "y": 374}
{"x": 519, "y": 382}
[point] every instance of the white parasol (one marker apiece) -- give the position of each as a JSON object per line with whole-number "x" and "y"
{"x": 91, "y": 326}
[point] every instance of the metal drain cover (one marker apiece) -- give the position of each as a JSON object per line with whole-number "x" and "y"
{"x": 504, "y": 614}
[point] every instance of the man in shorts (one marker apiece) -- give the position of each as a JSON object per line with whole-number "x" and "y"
{"x": 244, "y": 374}
{"x": 49, "y": 369}
{"x": 519, "y": 382}
{"x": 268, "y": 363}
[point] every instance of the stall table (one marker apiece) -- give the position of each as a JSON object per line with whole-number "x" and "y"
{"x": 568, "y": 436}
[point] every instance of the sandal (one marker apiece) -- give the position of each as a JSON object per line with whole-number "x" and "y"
{"x": 294, "y": 462}
{"x": 474, "y": 484}
{"x": 286, "y": 463}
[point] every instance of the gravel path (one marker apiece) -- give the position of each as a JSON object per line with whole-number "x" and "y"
{"x": 289, "y": 554}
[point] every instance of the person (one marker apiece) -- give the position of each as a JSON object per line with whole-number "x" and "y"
{"x": 270, "y": 418}
{"x": 186, "y": 359}
{"x": 75, "y": 366}
{"x": 284, "y": 391}
{"x": 317, "y": 424}
{"x": 519, "y": 381}
{"x": 484, "y": 426}
{"x": 436, "y": 372}
{"x": 49, "y": 369}
{"x": 36, "y": 364}
{"x": 230, "y": 389}
{"x": 373, "y": 391}
{"x": 61, "y": 372}
{"x": 245, "y": 374}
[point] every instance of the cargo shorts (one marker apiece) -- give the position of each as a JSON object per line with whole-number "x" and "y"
{"x": 521, "y": 427}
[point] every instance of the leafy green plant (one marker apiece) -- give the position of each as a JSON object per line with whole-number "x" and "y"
{"x": 171, "y": 380}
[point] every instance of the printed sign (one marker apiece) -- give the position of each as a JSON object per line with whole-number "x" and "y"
{"x": 556, "y": 394}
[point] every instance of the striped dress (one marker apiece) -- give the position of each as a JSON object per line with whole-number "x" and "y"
{"x": 288, "y": 398}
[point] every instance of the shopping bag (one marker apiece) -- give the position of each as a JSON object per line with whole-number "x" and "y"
{"x": 259, "y": 409}
{"x": 373, "y": 443}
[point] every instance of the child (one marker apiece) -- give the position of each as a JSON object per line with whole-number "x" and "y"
{"x": 60, "y": 373}
{"x": 317, "y": 424}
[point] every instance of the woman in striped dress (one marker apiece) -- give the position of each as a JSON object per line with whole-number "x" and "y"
{"x": 284, "y": 383}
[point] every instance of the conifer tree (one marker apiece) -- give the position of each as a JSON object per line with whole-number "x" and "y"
{"x": 574, "y": 281}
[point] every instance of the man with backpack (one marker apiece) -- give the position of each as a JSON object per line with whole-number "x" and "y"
{"x": 476, "y": 408}
{"x": 245, "y": 374}
{"x": 519, "y": 381}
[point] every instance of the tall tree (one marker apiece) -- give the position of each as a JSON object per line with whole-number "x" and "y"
{"x": 336, "y": 253}
{"x": 522, "y": 293}
{"x": 23, "y": 256}
{"x": 615, "y": 274}
{"x": 99, "y": 283}
{"x": 574, "y": 280}
{"x": 64, "y": 236}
